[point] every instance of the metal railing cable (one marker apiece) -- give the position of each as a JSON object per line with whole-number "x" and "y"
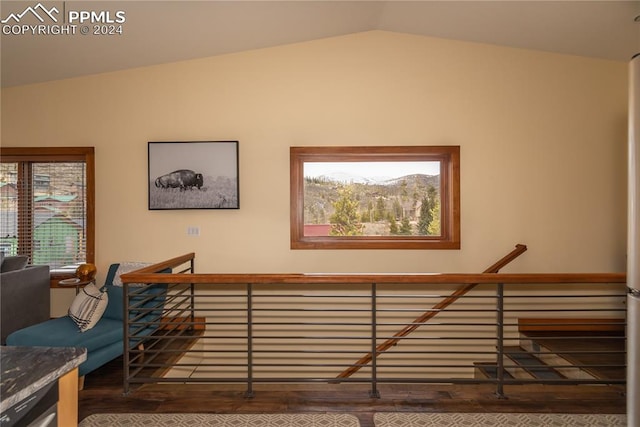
{"x": 303, "y": 328}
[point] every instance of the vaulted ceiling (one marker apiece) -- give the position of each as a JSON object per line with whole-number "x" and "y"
{"x": 156, "y": 32}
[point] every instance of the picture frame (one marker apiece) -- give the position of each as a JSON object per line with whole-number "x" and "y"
{"x": 380, "y": 197}
{"x": 193, "y": 175}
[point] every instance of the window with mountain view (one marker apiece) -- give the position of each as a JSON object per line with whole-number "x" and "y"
{"x": 46, "y": 209}
{"x": 375, "y": 197}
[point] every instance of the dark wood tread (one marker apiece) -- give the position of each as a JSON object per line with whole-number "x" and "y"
{"x": 572, "y": 325}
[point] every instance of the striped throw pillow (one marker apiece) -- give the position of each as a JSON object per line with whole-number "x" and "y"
{"x": 88, "y": 306}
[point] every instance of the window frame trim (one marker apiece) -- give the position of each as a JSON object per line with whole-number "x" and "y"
{"x": 449, "y": 156}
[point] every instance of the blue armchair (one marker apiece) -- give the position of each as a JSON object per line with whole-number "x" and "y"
{"x": 104, "y": 342}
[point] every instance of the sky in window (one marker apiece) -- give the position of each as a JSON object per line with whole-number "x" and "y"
{"x": 374, "y": 171}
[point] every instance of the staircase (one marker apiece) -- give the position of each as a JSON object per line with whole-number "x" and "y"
{"x": 563, "y": 350}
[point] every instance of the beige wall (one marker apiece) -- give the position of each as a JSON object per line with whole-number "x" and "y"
{"x": 542, "y": 136}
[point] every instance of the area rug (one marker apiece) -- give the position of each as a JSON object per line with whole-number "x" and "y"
{"x": 220, "y": 420}
{"x": 404, "y": 419}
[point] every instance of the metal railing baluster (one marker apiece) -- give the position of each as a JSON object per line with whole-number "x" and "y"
{"x": 374, "y": 343}
{"x": 500, "y": 340}
{"x": 249, "y": 393}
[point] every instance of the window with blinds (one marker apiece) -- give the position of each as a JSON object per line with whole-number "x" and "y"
{"x": 46, "y": 205}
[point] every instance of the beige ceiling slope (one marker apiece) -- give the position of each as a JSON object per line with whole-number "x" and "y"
{"x": 600, "y": 29}
{"x": 157, "y": 32}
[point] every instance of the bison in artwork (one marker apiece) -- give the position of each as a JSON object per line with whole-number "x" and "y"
{"x": 182, "y": 179}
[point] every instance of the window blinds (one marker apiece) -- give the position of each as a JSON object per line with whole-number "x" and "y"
{"x": 43, "y": 209}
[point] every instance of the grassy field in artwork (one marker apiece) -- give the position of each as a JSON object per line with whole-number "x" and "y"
{"x": 216, "y": 193}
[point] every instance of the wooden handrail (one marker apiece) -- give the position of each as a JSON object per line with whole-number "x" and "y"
{"x": 146, "y": 275}
{"x": 427, "y": 315}
{"x": 380, "y": 278}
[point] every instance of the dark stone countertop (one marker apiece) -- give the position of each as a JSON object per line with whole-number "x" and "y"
{"x": 25, "y": 370}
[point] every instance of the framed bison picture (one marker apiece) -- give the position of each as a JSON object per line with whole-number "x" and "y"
{"x": 193, "y": 175}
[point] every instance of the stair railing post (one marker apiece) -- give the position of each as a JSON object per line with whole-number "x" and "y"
{"x": 192, "y": 286}
{"x": 374, "y": 352}
{"x": 125, "y": 342}
{"x": 500, "y": 340}
{"x": 249, "y": 392}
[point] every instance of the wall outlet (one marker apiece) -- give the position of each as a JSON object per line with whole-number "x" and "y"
{"x": 193, "y": 231}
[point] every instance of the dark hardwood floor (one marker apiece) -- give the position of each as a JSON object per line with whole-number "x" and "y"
{"x": 103, "y": 393}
